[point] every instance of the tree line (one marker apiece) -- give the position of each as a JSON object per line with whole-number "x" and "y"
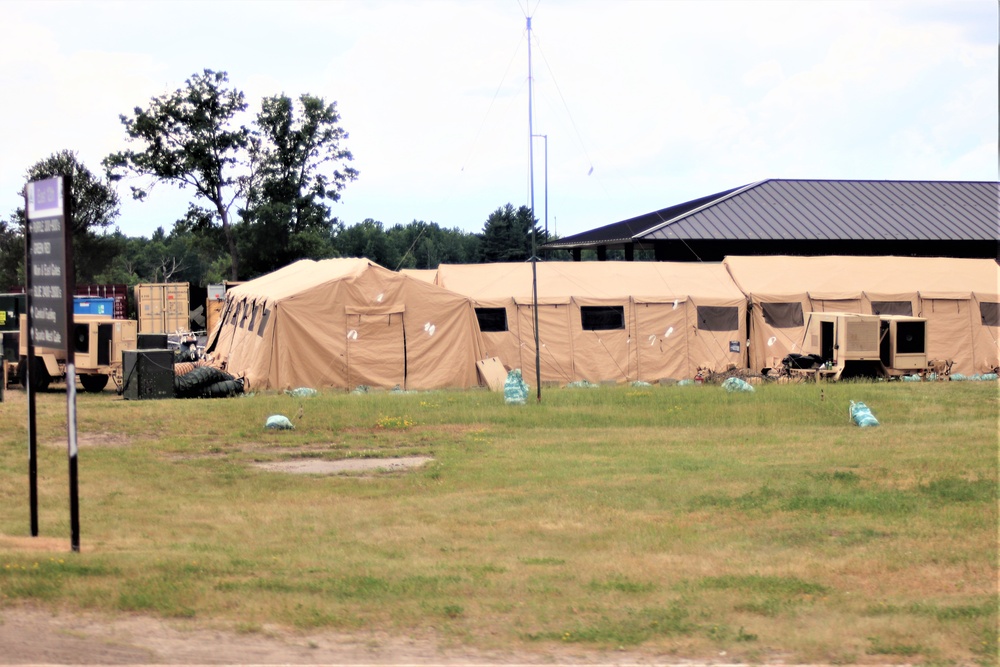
{"x": 261, "y": 189}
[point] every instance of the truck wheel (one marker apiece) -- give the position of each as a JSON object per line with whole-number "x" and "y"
{"x": 94, "y": 383}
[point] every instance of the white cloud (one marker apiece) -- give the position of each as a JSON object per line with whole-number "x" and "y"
{"x": 666, "y": 101}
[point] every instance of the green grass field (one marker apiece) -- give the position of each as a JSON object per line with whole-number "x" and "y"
{"x": 681, "y": 520}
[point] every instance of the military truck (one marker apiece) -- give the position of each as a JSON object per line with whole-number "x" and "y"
{"x": 98, "y": 342}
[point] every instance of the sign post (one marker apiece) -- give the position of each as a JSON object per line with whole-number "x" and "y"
{"x": 49, "y": 288}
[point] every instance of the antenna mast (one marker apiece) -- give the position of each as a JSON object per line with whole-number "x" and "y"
{"x": 534, "y": 254}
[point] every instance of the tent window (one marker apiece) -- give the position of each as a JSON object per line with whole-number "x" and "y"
{"x": 783, "y": 315}
{"x": 263, "y": 321}
{"x": 246, "y": 313}
{"x": 236, "y": 314}
{"x": 892, "y": 308}
{"x": 602, "y": 318}
{"x": 990, "y": 312}
{"x": 225, "y": 312}
{"x": 492, "y": 319}
{"x": 718, "y": 318}
{"x": 253, "y": 317}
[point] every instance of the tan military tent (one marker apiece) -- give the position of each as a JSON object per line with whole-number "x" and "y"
{"x": 606, "y": 321}
{"x": 960, "y": 298}
{"x": 344, "y": 323}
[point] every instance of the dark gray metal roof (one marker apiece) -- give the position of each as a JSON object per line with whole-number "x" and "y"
{"x": 784, "y": 210}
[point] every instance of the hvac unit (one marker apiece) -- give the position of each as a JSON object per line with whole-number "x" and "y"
{"x": 904, "y": 343}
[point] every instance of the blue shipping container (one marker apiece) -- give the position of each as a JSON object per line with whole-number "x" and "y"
{"x": 89, "y": 306}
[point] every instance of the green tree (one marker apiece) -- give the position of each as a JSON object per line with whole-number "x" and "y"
{"x": 298, "y": 166}
{"x": 190, "y": 138}
{"x": 367, "y": 239}
{"x": 94, "y": 207}
{"x": 422, "y": 245}
{"x": 506, "y": 236}
{"x": 11, "y": 255}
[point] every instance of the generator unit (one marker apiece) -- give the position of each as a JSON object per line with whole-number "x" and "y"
{"x": 98, "y": 343}
{"x": 852, "y": 345}
{"x": 903, "y": 345}
{"x": 847, "y": 343}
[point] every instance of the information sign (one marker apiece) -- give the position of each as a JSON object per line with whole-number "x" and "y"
{"x": 46, "y": 236}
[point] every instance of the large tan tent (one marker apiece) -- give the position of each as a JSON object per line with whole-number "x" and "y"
{"x": 960, "y": 298}
{"x": 606, "y": 321}
{"x": 344, "y": 323}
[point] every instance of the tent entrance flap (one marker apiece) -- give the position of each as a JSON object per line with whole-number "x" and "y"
{"x": 376, "y": 350}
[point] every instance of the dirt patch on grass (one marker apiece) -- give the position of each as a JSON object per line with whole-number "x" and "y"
{"x": 43, "y": 544}
{"x": 87, "y": 440}
{"x": 345, "y": 466}
{"x": 31, "y": 636}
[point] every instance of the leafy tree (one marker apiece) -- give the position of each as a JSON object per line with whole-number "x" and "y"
{"x": 11, "y": 255}
{"x": 94, "y": 206}
{"x": 298, "y": 165}
{"x": 367, "y": 239}
{"x": 190, "y": 138}
{"x": 422, "y": 245}
{"x": 506, "y": 235}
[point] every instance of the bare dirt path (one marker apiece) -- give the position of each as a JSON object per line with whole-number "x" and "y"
{"x": 30, "y": 636}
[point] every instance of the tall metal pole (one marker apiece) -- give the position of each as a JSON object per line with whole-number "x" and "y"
{"x": 534, "y": 257}
{"x": 546, "y": 138}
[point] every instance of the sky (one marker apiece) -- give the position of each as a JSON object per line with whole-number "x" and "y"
{"x": 639, "y": 104}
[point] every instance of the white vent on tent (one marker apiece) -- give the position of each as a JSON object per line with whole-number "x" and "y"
{"x": 352, "y": 334}
{"x": 772, "y": 340}
{"x": 652, "y": 339}
{"x": 430, "y": 328}
{"x": 675, "y": 304}
{"x": 379, "y": 298}
{"x": 668, "y": 332}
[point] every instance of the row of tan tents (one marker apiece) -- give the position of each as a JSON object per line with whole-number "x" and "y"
{"x": 348, "y": 322}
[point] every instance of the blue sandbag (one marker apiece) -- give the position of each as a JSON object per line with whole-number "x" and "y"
{"x": 515, "y": 390}
{"x": 861, "y": 415}
{"x": 279, "y": 423}
{"x": 302, "y": 392}
{"x": 736, "y": 384}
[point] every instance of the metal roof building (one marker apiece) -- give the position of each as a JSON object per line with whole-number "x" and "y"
{"x": 812, "y": 217}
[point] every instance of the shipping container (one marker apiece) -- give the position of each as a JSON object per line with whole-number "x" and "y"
{"x": 117, "y": 292}
{"x": 216, "y": 302}
{"x": 162, "y": 307}
{"x": 83, "y": 305}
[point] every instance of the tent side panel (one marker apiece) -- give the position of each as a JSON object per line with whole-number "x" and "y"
{"x": 949, "y": 332}
{"x": 602, "y": 354}
{"x": 660, "y": 342}
{"x": 441, "y": 349}
{"x": 556, "y": 354}
{"x": 718, "y": 344}
{"x": 777, "y": 324}
{"x": 376, "y": 352}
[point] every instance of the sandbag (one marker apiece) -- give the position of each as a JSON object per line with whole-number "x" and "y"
{"x": 515, "y": 389}
{"x": 278, "y": 423}
{"x": 861, "y": 415}
{"x": 302, "y": 392}
{"x": 736, "y": 384}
